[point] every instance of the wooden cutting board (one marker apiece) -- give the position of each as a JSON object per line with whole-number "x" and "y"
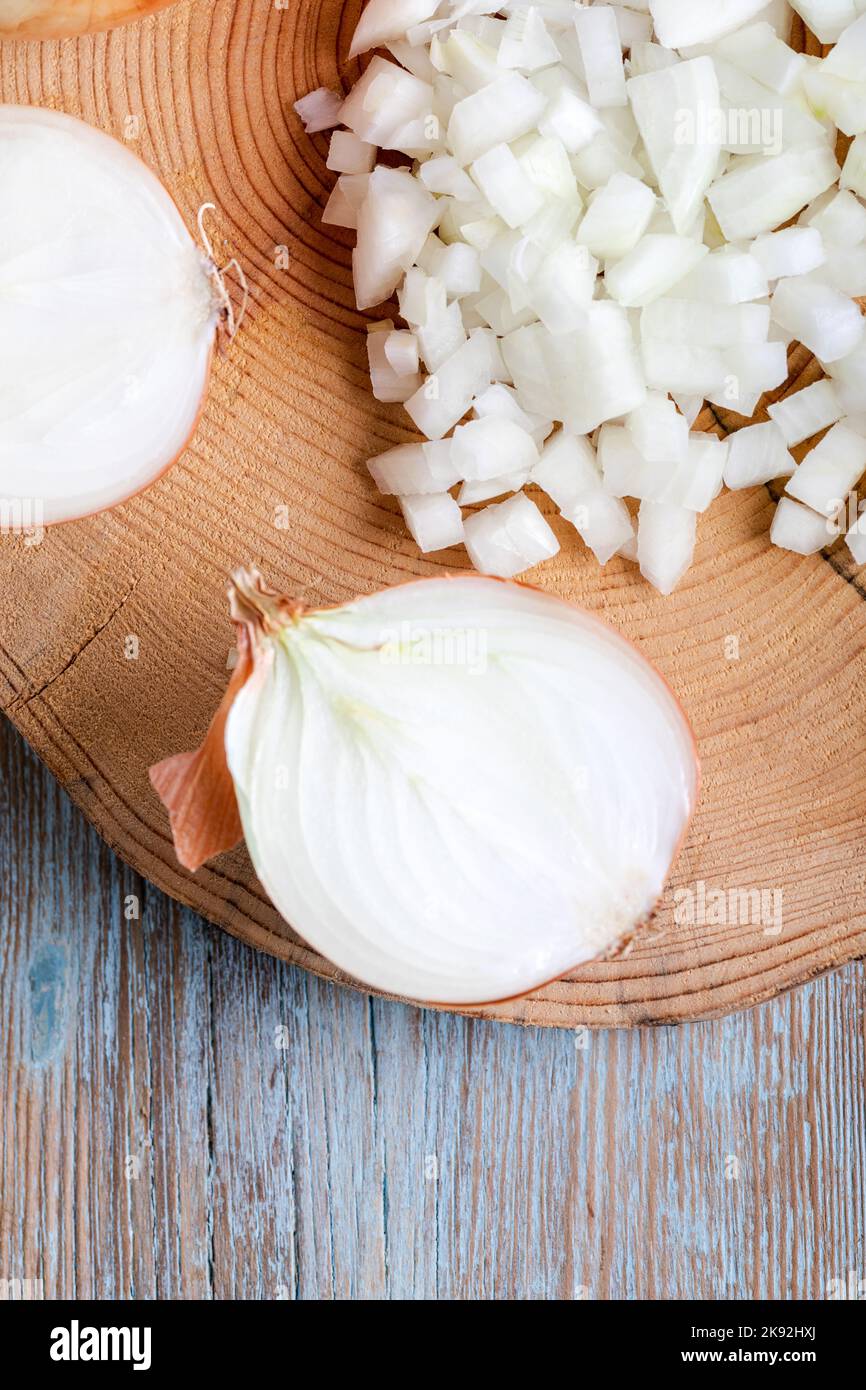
{"x": 115, "y": 639}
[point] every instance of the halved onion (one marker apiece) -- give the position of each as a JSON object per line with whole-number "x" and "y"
{"x": 456, "y": 789}
{"x": 59, "y": 19}
{"x": 108, "y": 312}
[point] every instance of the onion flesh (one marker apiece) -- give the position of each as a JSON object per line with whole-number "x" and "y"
{"x": 509, "y": 537}
{"x": 598, "y": 225}
{"x": 435, "y": 521}
{"x": 830, "y": 471}
{"x": 665, "y": 543}
{"x": 856, "y": 540}
{"x": 824, "y": 320}
{"x": 46, "y": 19}
{"x": 756, "y": 455}
{"x": 455, "y": 790}
{"x": 793, "y": 251}
{"x": 320, "y": 110}
{"x": 600, "y": 52}
{"x": 108, "y": 315}
{"x": 651, "y": 269}
{"x": 670, "y": 107}
{"x": 679, "y": 25}
{"x": 805, "y": 413}
{"x": 617, "y": 217}
{"x": 828, "y": 19}
{"x": 753, "y": 200}
{"x": 799, "y": 529}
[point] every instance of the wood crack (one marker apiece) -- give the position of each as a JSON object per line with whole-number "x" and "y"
{"x": 21, "y": 701}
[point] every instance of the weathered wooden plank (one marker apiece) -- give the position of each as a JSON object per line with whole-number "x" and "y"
{"x": 182, "y": 1117}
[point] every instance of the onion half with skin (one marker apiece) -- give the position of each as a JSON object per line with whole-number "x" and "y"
{"x": 456, "y": 789}
{"x": 60, "y": 19}
{"x": 108, "y": 314}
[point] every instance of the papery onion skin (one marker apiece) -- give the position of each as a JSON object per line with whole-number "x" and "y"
{"x": 204, "y": 804}
{"x": 180, "y": 781}
{"x": 61, "y": 19}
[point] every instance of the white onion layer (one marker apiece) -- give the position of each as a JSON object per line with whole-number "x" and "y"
{"x": 457, "y": 790}
{"x": 107, "y": 318}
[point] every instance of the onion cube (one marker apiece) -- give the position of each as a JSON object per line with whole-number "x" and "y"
{"x": 385, "y": 99}
{"x": 689, "y": 407}
{"x": 494, "y": 115}
{"x": 807, "y": 412}
{"x": 502, "y": 401}
{"x": 665, "y": 543}
{"x": 726, "y": 276}
{"x": 830, "y": 471}
{"x": 798, "y": 528}
{"x": 545, "y": 160}
{"x": 841, "y": 220}
{"x": 525, "y": 41}
{"x": 320, "y": 110}
{"x": 827, "y": 18}
{"x": 633, "y": 28}
{"x": 673, "y": 108}
{"x": 347, "y": 197}
{"x": 388, "y": 384}
{"x": 447, "y": 395}
{"x": 394, "y": 221}
{"x": 682, "y": 23}
{"x": 751, "y": 369}
{"x": 854, "y": 168}
{"x": 698, "y": 481}
{"x": 627, "y": 473}
{"x": 507, "y": 187}
{"x": 757, "y": 454}
{"x": 682, "y": 369}
{"x": 758, "y": 51}
{"x": 597, "y": 371}
{"x": 650, "y": 57}
{"x": 568, "y": 468}
{"x": 705, "y": 325}
{"x": 441, "y": 335}
{"x": 435, "y": 521}
{"x": 845, "y": 271}
{"x": 601, "y": 55}
{"x": 655, "y": 264}
{"x": 849, "y": 378}
{"x": 509, "y": 537}
{"x": 570, "y": 119}
{"x": 617, "y": 217}
{"x": 348, "y": 154}
{"x": 856, "y": 539}
{"x": 401, "y": 350}
{"x": 793, "y": 251}
{"x": 823, "y": 320}
{"x": 414, "y": 469}
{"x": 442, "y": 174}
{"x": 602, "y": 522}
{"x": 491, "y": 446}
{"x": 761, "y": 194}
{"x": 561, "y": 290}
{"x": 658, "y": 430}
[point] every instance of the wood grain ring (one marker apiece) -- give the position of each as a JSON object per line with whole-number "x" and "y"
{"x": 276, "y": 475}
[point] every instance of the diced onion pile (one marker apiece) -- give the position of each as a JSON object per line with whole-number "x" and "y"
{"x": 591, "y": 241}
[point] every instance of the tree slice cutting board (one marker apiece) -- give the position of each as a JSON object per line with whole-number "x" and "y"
{"x": 115, "y": 640}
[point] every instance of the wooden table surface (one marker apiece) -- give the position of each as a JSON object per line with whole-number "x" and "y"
{"x": 184, "y": 1118}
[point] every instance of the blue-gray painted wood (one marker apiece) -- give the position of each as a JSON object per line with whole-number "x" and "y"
{"x": 185, "y": 1118}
